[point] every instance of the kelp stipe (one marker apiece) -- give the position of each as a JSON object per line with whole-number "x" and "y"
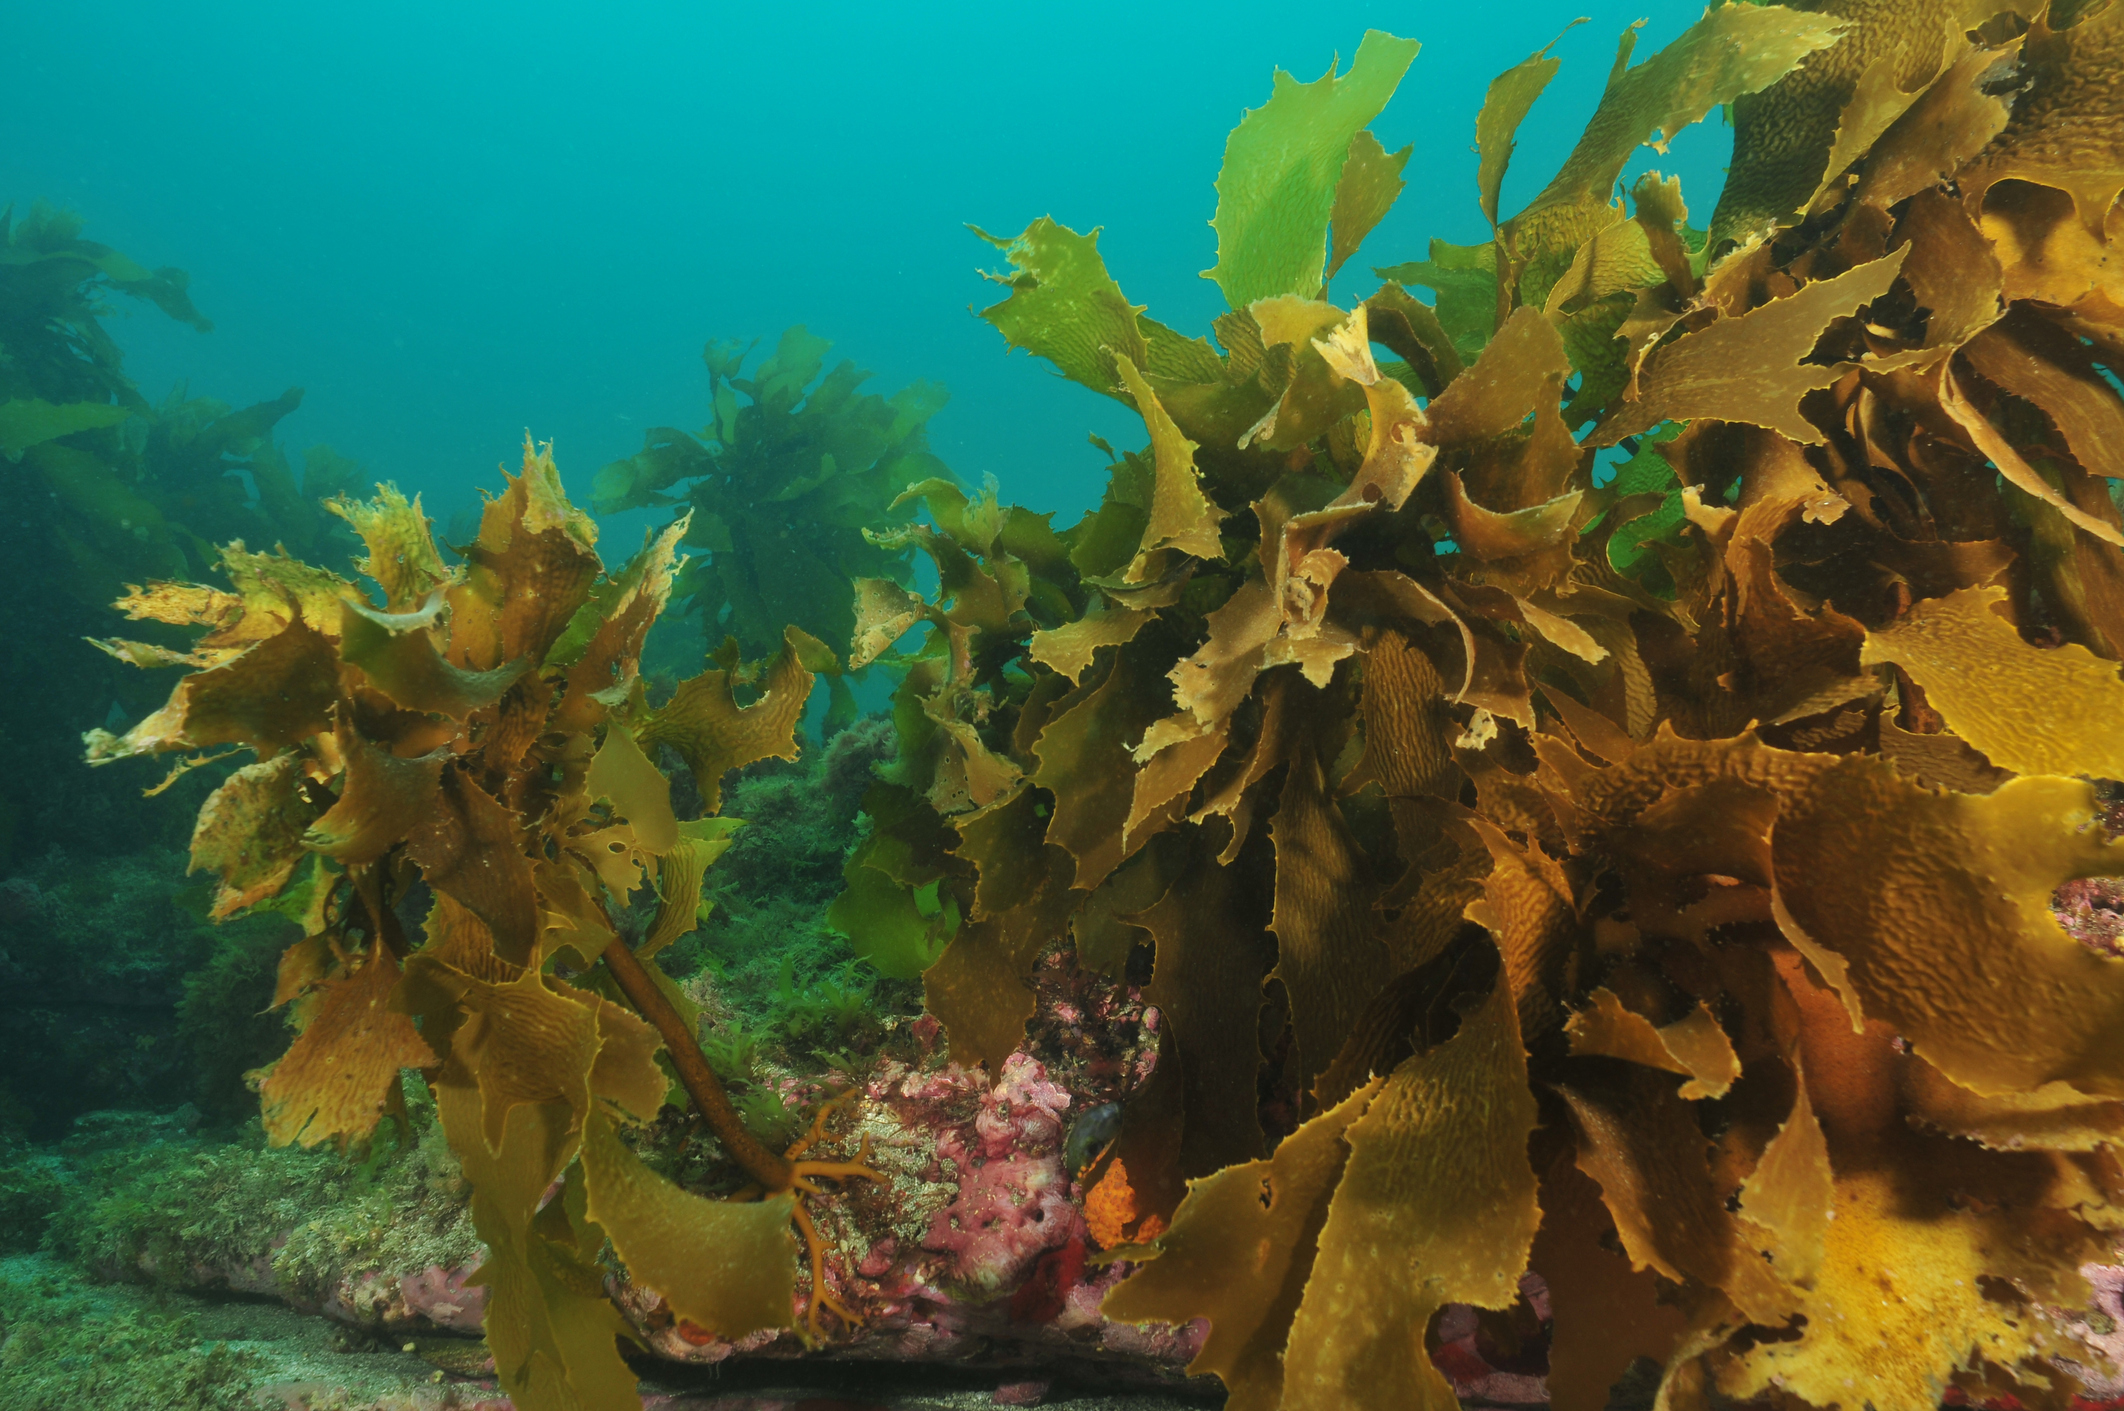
{"x": 484, "y": 730}
{"x": 1709, "y": 814}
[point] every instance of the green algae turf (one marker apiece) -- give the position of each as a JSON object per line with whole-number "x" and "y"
{"x": 136, "y": 1195}
{"x": 70, "y": 1344}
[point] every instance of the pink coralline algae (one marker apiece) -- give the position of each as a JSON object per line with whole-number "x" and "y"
{"x": 2092, "y": 912}
{"x": 1014, "y": 1197}
{"x": 430, "y": 1299}
{"x": 440, "y": 1296}
{"x": 975, "y": 1250}
{"x": 2102, "y": 1329}
{"x": 1466, "y": 1359}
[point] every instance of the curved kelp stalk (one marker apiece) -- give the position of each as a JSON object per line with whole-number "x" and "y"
{"x": 1585, "y": 763}
{"x": 479, "y": 736}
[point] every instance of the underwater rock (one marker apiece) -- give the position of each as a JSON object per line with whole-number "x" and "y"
{"x": 1013, "y": 1203}
{"x": 976, "y": 1251}
{"x": 433, "y": 1300}
{"x": 440, "y": 1296}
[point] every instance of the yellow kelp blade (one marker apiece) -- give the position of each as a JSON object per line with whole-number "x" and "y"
{"x": 1694, "y": 1045}
{"x": 1932, "y": 912}
{"x": 1181, "y": 516}
{"x": 1733, "y": 50}
{"x": 1238, "y": 1253}
{"x": 402, "y": 555}
{"x": 714, "y": 734}
{"x": 333, "y": 1079}
{"x": 526, "y": 1043}
{"x": 250, "y": 831}
{"x": 553, "y": 1333}
{"x": 399, "y": 654}
{"x": 679, "y": 878}
{"x": 1913, "y": 1287}
{"x": 1749, "y": 368}
{"x": 278, "y": 691}
{"x": 727, "y": 1266}
{"x": 637, "y": 789}
{"x": 1436, "y": 1206}
{"x": 382, "y": 798}
{"x": 2033, "y": 710}
{"x": 467, "y": 845}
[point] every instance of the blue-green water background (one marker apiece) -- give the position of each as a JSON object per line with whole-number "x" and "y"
{"x": 451, "y": 222}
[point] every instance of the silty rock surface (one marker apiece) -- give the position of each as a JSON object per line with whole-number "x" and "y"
{"x": 429, "y": 1300}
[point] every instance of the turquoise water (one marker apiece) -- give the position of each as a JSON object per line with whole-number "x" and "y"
{"x": 449, "y": 223}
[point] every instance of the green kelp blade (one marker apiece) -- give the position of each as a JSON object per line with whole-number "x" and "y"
{"x": 1282, "y": 164}
{"x": 1504, "y": 107}
{"x": 1064, "y": 306}
{"x": 1464, "y": 279}
{"x": 27, "y": 421}
{"x": 49, "y": 233}
{"x": 667, "y": 456}
{"x": 898, "y": 930}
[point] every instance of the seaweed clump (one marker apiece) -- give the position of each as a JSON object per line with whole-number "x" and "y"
{"x": 1583, "y": 769}
{"x": 1587, "y": 762}
{"x": 473, "y": 745}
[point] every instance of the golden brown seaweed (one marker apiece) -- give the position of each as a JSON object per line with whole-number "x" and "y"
{"x": 485, "y": 732}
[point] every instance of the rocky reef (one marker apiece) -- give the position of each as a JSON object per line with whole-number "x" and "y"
{"x": 1556, "y": 842}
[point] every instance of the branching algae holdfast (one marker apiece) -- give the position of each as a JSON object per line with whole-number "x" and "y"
{"x": 483, "y": 731}
{"x": 1661, "y": 862}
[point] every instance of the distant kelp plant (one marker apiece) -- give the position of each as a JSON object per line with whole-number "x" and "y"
{"x": 781, "y": 485}
{"x": 475, "y": 740}
{"x": 1643, "y": 880}
{"x": 102, "y": 487}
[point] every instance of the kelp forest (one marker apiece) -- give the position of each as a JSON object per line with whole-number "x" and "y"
{"x": 1555, "y": 828}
